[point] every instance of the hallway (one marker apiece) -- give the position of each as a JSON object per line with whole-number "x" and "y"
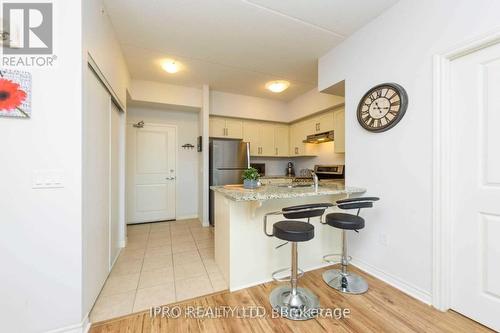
{"x": 163, "y": 262}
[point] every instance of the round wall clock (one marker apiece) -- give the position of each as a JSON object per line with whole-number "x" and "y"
{"x": 382, "y": 107}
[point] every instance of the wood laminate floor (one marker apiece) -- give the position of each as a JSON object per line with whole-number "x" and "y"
{"x": 382, "y": 309}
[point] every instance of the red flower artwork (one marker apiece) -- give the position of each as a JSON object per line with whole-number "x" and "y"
{"x": 11, "y": 97}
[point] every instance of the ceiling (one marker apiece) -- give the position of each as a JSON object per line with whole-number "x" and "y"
{"x": 236, "y": 45}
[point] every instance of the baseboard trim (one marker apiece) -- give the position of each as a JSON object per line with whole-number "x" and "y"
{"x": 82, "y": 327}
{"x": 306, "y": 269}
{"x": 394, "y": 281}
{"x": 186, "y": 217}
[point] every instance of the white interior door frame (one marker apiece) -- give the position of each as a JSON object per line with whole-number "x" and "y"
{"x": 442, "y": 164}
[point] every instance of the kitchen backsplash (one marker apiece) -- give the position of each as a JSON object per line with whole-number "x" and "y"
{"x": 326, "y": 156}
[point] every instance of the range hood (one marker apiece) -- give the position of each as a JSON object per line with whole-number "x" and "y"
{"x": 320, "y": 137}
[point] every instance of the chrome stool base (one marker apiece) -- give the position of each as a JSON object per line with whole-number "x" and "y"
{"x": 303, "y": 305}
{"x": 353, "y": 283}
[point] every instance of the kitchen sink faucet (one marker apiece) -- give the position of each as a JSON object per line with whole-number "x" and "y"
{"x": 315, "y": 179}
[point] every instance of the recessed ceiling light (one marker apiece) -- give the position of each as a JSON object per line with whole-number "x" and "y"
{"x": 277, "y": 86}
{"x": 170, "y": 66}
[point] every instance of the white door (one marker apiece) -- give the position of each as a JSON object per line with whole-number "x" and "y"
{"x": 476, "y": 151}
{"x": 114, "y": 183}
{"x": 152, "y": 169}
{"x": 96, "y": 153}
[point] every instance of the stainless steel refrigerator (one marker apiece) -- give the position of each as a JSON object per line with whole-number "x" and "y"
{"x": 228, "y": 160}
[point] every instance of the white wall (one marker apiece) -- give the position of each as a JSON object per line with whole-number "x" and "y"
{"x": 397, "y": 165}
{"x": 166, "y": 94}
{"x": 311, "y": 102}
{"x": 187, "y": 159}
{"x": 233, "y": 105}
{"x": 40, "y": 241}
{"x": 101, "y": 43}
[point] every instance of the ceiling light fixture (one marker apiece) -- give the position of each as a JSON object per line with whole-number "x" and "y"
{"x": 170, "y": 66}
{"x": 277, "y": 86}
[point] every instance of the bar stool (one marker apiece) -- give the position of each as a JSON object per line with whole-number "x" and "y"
{"x": 341, "y": 279}
{"x": 291, "y": 301}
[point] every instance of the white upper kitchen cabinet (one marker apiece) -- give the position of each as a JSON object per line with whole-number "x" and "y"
{"x": 266, "y": 139}
{"x": 321, "y": 123}
{"x": 339, "y": 131}
{"x": 298, "y": 133}
{"x": 267, "y": 143}
{"x": 281, "y": 140}
{"x": 217, "y": 127}
{"x": 251, "y": 133}
{"x": 234, "y": 128}
{"x": 226, "y": 128}
{"x": 325, "y": 122}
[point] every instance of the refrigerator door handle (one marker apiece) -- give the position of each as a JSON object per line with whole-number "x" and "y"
{"x": 248, "y": 154}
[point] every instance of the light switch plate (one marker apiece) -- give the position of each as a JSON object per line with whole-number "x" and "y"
{"x": 48, "y": 179}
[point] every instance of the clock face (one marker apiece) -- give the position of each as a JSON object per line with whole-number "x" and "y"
{"x": 382, "y": 107}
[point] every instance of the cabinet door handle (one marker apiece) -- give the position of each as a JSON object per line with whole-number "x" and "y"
{"x": 276, "y": 151}
{"x": 296, "y": 150}
{"x": 319, "y": 126}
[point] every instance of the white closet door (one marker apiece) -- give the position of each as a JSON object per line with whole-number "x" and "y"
{"x": 476, "y": 224}
{"x": 114, "y": 183}
{"x": 96, "y": 172}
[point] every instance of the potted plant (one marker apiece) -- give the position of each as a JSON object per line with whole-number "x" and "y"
{"x": 251, "y": 178}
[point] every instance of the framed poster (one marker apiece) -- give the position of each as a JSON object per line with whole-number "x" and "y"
{"x": 15, "y": 93}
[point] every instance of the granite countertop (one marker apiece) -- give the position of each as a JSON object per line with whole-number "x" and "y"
{"x": 280, "y": 177}
{"x": 267, "y": 192}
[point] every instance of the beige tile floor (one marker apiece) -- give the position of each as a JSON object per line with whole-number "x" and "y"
{"x": 163, "y": 262}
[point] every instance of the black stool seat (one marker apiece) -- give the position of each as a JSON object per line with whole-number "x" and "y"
{"x": 293, "y": 231}
{"x": 345, "y": 221}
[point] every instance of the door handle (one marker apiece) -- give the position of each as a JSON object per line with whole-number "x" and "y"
{"x": 276, "y": 151}
{"x": 170, "y": 178}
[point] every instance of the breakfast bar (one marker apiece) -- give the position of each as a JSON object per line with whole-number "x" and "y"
{"x": 244, "y": 254}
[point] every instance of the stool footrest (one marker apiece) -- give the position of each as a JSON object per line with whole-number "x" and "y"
{"x": 288, "y": 277}
{"x": 330, "y": 258}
